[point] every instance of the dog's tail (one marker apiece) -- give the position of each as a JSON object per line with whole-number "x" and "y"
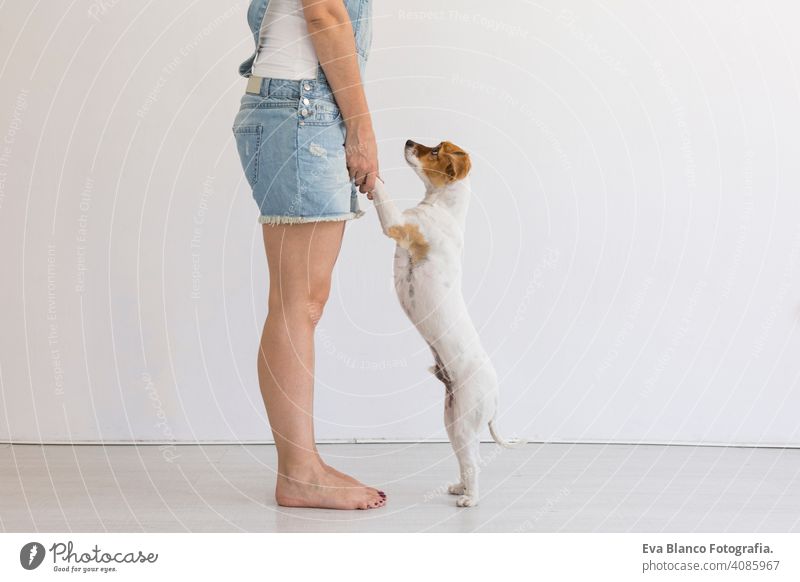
{"x": 512, "y": 444}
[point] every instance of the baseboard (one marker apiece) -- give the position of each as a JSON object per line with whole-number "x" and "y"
{"x": 396, "y": 441}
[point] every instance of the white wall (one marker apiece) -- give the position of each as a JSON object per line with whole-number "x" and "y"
{"x": 633, "y": 245}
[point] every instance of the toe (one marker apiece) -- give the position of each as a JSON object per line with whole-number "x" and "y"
{"x": 456, "y": 489}
{"x": 466, "y": 501}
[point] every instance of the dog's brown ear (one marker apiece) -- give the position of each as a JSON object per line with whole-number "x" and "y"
{"x": 458, "y": 165}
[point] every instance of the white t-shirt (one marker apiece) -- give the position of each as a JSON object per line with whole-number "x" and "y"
{"x": 285, "y": 48}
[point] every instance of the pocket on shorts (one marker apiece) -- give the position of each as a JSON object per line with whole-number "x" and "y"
{"x": 248, "y": 142}
{"x": 324, "y": 112}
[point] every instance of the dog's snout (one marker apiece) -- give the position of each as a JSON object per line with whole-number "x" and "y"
{"x": 409, "y": 143}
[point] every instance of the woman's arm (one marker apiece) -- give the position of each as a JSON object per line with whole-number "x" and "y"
{"x": 332, "y": 36}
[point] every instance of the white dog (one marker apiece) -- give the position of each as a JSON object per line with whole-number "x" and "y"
{"x": 427, "y": 277}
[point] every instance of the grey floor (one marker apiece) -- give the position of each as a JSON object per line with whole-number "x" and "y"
{"x": 540, "y": 487}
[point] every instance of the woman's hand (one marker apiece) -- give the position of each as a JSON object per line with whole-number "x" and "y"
{"x": 361, "y": 153}
{"x": 332, "y": 35}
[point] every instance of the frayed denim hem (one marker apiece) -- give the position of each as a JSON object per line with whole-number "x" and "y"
{"x": 273, "y": 220}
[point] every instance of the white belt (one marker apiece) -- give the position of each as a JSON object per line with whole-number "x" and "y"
{"x": 254, "y": 84}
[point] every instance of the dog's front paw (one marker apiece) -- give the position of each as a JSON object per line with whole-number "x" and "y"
{"x": 456, "y": 489}
{"x": 467, "y": 501}
{"x": 378, "y": 191}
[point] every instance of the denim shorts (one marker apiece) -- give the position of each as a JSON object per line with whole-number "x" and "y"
{"x": 290, "y": 139}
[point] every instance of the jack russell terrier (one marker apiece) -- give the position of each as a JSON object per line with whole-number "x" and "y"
{"x": 427, "y": 277}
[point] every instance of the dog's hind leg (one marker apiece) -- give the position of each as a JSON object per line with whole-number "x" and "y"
{"x": 443, "y": 376}
{"x": 453, "y": 426}
{"x": 465, "y": 445}
{"x": 458, "y": 487}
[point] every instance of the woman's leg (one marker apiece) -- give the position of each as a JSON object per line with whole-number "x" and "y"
{"x": 301, "y": 259}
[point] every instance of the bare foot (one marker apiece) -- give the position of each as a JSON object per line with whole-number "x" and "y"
{"x": 349, "y": 478}
{"x": 319, "y": 487}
